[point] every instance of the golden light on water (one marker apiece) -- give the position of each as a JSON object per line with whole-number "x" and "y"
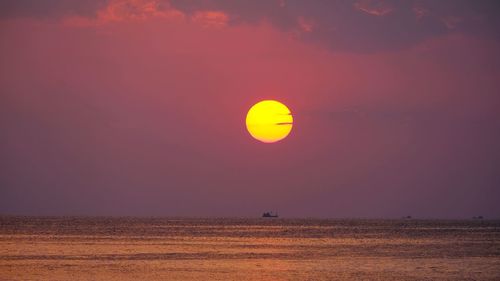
{"x": 269, "y": 121}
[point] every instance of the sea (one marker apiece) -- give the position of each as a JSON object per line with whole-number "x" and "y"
{"x": 129, "y": 248}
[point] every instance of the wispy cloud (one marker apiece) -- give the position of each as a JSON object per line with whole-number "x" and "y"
{"x": 374, "y": 7}
{"x": 420, "y": 11}
{"x": 210, "y": 18}
{"x": 451, "y": 22}
{"x": 306, "y": 24}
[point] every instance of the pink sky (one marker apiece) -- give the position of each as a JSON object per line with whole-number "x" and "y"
{"x": 137, "y": 107}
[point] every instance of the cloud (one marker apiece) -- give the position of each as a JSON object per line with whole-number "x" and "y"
{"x": 306, "y": 25}
{"x": 49, "y": 9}
{"x": 364, "y": 26}
{"x": 210, "y": 18}
{"x": 118, "y": 10}
{"x": 420, "y": 11}
{"x": 451, "y": 22}
{"x": 127, "y": 10}
{"x": 143, "y": 10}
{"x": 373, "y": 7}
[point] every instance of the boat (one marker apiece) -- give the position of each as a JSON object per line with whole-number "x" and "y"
{"x": 269, "y": 215}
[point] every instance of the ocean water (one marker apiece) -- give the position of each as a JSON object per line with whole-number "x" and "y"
{"x": 80, "y": 248}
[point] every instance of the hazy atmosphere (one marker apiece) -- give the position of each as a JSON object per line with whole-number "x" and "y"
{"x": 137, "y": 107}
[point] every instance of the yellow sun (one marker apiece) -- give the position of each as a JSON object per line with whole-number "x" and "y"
{"x": 269, "y": 121}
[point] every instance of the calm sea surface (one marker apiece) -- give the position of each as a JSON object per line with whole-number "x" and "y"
{"x": 70, "y": 248}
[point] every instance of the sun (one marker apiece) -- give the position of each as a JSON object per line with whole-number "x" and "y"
{"x": 269, "y": 121}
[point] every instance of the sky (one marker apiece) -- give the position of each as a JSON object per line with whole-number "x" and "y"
{"x": 137, "y": 107}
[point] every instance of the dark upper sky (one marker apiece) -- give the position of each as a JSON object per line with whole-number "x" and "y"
{"x": 137, "y": 107}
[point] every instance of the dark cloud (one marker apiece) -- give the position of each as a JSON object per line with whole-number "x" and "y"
{"x": 49, "y": 8}
{"x": 355, "y": 26}
{"x": 363, "y": 26}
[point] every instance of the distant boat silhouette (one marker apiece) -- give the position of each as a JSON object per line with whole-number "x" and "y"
{"x": 477, "y": 218}
{"x": 269, "y": 215}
